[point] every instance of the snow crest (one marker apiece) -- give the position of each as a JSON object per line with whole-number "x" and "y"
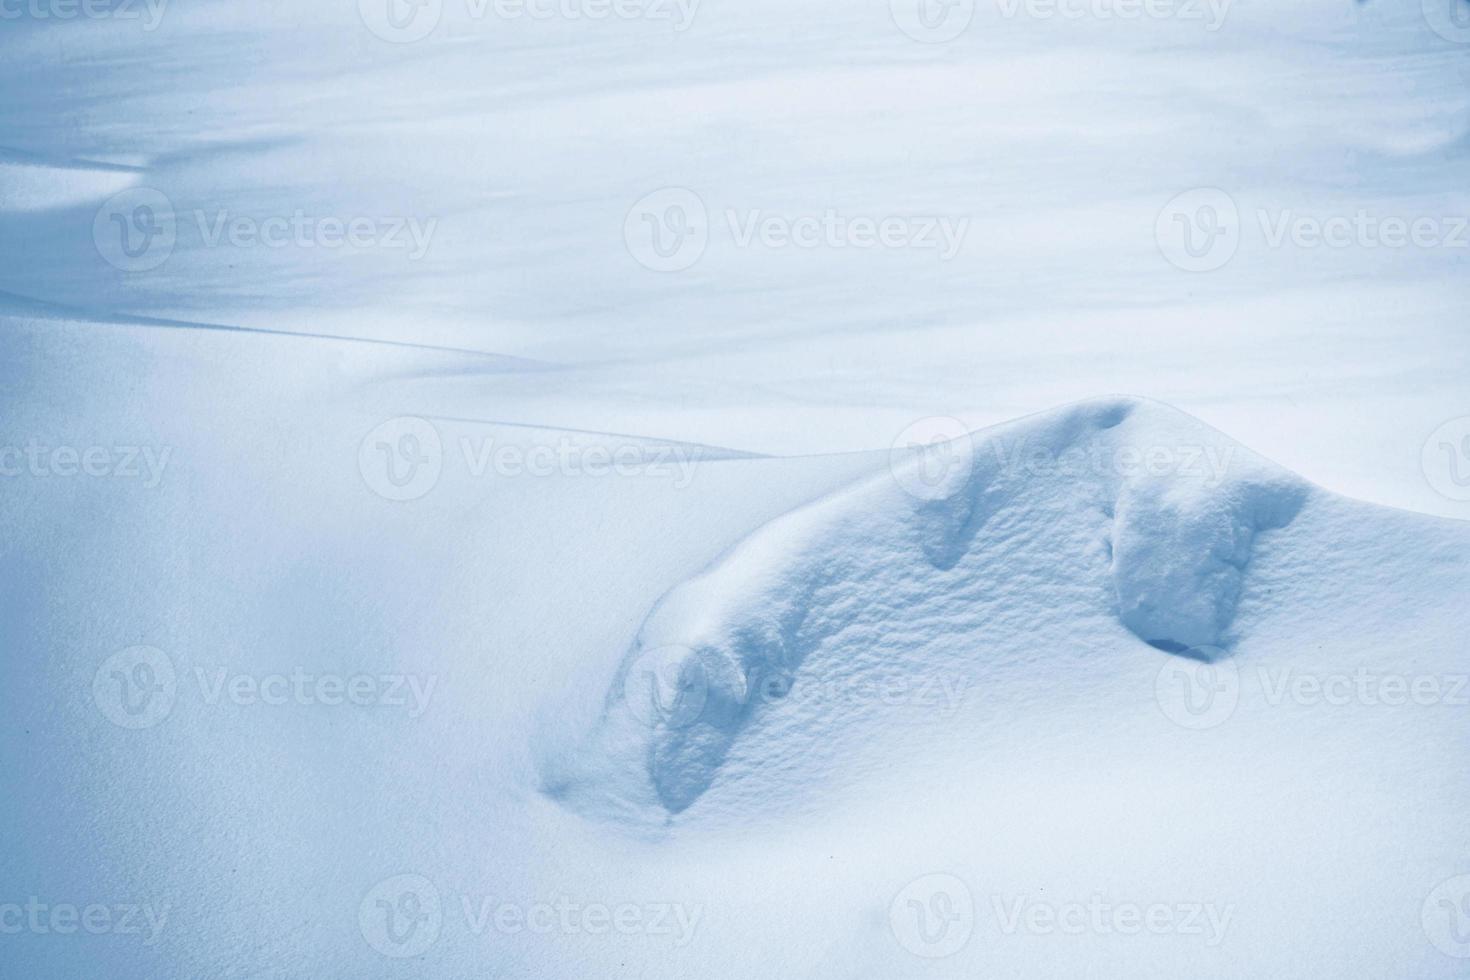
{"x": 1144, "y": 512}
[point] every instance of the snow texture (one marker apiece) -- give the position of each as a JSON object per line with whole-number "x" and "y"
{"x": 888, "y": 562}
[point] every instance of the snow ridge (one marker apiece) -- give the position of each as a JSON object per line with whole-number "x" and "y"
{"x": 894, "y": 563}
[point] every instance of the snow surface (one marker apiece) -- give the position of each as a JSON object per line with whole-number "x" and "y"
{"x": 892, "y": 573}
{"x": 802, "y": 613}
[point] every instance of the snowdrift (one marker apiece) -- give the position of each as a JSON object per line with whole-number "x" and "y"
{"x": 1125, "y": 504}
{"x": 782, "y": 690}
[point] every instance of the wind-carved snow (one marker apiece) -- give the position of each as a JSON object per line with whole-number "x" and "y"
{"x": 1180, "y": 557}
{"x": 34, "y": 183}
{"x": 1132, "y": 505}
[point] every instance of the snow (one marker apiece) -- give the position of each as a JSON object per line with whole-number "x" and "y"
{"x": 475, "y": 598}
{"x": 877, "y": 574}
{"x": 38, "y": 185}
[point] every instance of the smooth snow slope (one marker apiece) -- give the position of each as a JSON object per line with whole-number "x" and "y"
{"x": 961, "y": 687}
{"x": 1057, "y": 140}
{"x": 844, "y": 714}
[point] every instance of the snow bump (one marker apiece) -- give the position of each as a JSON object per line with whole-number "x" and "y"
{"x": 1148, "y": 512}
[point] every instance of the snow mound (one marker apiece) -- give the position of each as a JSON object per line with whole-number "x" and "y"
{"x": 1121, "y": 506}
